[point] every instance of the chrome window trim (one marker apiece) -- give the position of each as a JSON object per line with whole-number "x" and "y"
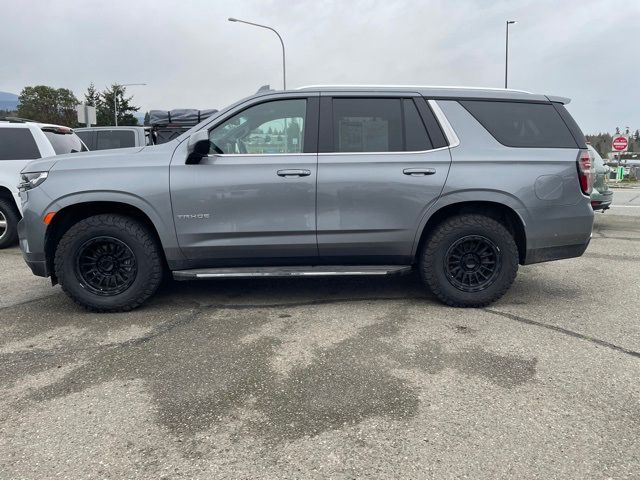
{"x": 449, "y": 132}
{"x": 305, "y": 154}
{"x": 416, "y": 152}
{"x": 322, "y": 154}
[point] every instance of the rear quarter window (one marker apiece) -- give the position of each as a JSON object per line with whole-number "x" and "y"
{"x": 17, "y": 144}
{"x": 64, "y": 142}
{"x": 521, "y": 124}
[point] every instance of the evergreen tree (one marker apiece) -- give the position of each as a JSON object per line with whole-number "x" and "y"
{"x": 106, "y": 107}
{"x": 146, "y": 119}
{"x": 92, "y": 97}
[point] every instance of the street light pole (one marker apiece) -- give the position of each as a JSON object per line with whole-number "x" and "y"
{"x": 284, "y": 68}
{"x": 506, "y": 52}
{"x": 115, "y": 98}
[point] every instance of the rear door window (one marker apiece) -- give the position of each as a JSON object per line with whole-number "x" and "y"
{"x": 64, "y": 141}
{"x": 106, "y": 139}
{"x": 415, "y": 133}
{"x": 367, "y": 125}
{"x": 17, "y": 144}
{"x": 521, "y": 124}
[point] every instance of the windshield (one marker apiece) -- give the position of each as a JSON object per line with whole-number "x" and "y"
{"x": 65, "y": 142}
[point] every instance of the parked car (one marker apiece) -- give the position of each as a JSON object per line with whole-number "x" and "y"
{"x": 601, "y": 195}
{"x": 104, "y": 138}
{"x": 20, "y": 142}
{"x": 461, "y": 184}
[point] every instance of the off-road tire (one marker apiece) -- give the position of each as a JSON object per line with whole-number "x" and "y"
{"x": 12, "y": 216}
{"x": 434, "y": 271}
{"x": 137, "y": 237}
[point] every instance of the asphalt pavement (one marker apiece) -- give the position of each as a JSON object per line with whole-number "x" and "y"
{"x": 331, "y": 378}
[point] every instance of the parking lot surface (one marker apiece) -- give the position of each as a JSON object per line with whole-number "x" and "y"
{"x": 331, "y": 378}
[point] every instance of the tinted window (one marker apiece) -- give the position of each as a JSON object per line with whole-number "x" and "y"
{"x": 519, "y": 124}
{"x": 367, "y": 125}
{"x": 17, "y": 144}
{"x": 270, "y": 127}
{"x": 416, "y": 137}
{"x": 106, "y": 139}
{"x": 436, "y": 135}
{"x": 64, "y": 142}
{"x": 571, "y": 123}
{"x": 88, "y": 137}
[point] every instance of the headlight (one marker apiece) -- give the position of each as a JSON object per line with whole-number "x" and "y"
{"x": 31, "y": 180}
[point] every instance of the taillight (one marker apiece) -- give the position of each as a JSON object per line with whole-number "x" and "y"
{"x": 584, "y": 172}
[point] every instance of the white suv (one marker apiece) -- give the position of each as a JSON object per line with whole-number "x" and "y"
{"x": 20, "y": 142}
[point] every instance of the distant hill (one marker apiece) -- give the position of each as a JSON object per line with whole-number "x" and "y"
{"x": 8, "y": 101}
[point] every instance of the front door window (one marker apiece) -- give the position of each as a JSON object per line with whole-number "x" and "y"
{"x": 268, "y": 128}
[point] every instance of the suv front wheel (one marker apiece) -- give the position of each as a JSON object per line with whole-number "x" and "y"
{"x": 108, "y": 263}
{"x": 469, "y": 260}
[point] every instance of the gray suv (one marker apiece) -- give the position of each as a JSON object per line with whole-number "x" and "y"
{"x": 461, "y": 184}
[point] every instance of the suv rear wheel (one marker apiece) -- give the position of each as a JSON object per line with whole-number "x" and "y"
{"x": 108, "y": 263}
{"x": 9, "y": 218}
{"x": 469, "y": 260}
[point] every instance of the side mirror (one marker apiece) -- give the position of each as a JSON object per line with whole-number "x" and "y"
{"x": 197, "y": 147}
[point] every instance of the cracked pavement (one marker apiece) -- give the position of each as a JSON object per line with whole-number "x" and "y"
{"x": 330, "y": 378}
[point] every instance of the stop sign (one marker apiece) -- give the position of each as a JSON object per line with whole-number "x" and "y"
{"x": 620, "y": 143}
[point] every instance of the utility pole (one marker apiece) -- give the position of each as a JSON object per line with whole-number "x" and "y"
{"x": 506, "y": 52}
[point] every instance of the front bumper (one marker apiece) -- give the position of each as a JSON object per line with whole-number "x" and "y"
{"x": 35, "y": 260}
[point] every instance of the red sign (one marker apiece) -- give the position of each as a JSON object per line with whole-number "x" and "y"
{"x": 620, "y": 143}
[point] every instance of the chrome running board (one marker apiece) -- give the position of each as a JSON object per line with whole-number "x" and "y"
{"x": 297, "y": 271}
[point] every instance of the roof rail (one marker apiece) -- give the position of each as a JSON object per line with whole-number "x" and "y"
{"x": 305, "y": 87}
{"x": 16, "y": 120}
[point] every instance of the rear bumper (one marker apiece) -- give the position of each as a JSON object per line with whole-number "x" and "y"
{"x": 557, "y": 232}
{"x": 548, "y": 254}
{"x": 601, "y": 200}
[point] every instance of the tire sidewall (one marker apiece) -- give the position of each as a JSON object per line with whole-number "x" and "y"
{"x": 12, "y": 217}
{"x": 69, "y": 279}
{"x": 508, "y": 262}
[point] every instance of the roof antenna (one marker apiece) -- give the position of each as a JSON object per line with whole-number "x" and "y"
{"x": 264, "y": 88}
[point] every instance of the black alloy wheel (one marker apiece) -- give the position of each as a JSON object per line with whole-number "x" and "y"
{"x": 106, "y": 266}
{"x": 472, "y": 263}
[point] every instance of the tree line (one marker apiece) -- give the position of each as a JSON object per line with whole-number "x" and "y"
{"x": 45, "y": 104}
{"x": 602, "y": 141}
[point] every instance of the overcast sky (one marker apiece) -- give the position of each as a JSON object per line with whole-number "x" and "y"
{"x": 192, "y": 57}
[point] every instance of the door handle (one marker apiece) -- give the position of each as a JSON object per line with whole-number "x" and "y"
{"x": 419, "y": 172}
{"x": 292, "y": 173}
